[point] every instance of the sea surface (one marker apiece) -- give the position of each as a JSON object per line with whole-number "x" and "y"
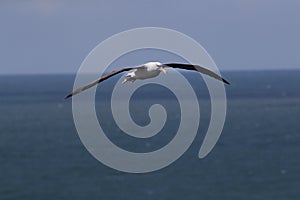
{"x": 257, "y": 156}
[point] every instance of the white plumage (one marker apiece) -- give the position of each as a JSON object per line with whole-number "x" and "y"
{"x": 148, "y": 70}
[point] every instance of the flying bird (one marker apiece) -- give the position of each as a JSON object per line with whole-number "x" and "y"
{"x": 145, "y": 71}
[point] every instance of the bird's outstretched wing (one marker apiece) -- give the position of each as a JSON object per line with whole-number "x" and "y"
{"x": 196, "y": 68}
{"x": 98, "y": 81}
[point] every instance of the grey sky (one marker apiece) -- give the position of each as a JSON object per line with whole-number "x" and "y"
{"x": 41, "y": 36}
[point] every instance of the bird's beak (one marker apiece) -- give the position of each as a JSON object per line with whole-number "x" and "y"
{"x": 163, "y": 70}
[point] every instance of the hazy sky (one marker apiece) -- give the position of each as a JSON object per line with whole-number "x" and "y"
{"x": 43, "y": 36}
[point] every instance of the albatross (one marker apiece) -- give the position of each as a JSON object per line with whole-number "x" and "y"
{"x": 145, "y": 71}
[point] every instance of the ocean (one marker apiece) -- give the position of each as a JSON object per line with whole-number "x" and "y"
{"x": 257, "y": 156}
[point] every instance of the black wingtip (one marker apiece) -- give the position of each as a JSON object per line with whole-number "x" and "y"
{"x": 68, "y": 96}
{"x": 225, "y": 81}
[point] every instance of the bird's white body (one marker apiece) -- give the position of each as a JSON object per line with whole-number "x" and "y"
{"x": 148, "y": 70}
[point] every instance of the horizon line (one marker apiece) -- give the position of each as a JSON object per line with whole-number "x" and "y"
{"x": 221, "y": 71}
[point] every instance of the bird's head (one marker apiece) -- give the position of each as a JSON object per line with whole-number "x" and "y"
{"x": 161, "y": 67}
{"x": 155, "y": 66}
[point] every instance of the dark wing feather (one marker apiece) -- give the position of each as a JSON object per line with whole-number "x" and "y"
{"x": 98, "y": 81}
{"x": 197, "y": 68}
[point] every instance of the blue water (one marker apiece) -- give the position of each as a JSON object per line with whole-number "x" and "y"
{"x": 257, "y": 156}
